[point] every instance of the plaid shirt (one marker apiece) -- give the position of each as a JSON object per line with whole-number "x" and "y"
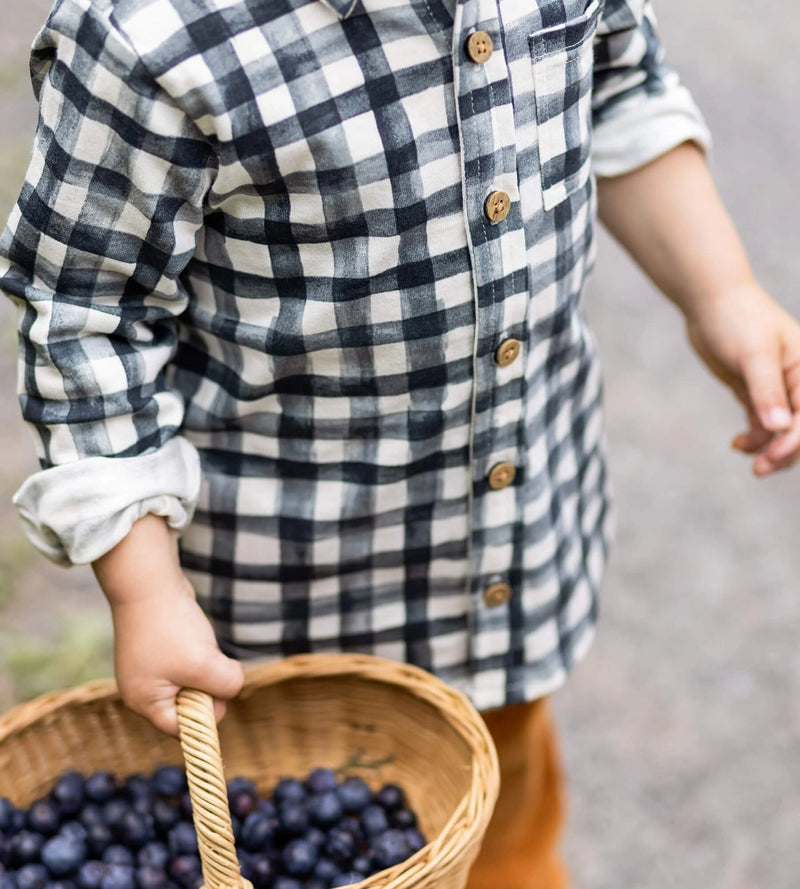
{"x": 335, "y": 250}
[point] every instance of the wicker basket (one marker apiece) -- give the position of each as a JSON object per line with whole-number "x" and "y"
{"x": 379, "y": 719}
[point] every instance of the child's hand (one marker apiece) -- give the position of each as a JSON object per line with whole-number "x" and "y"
{"x": 669, "y": 216}
{"x": 162, "y": 640}
{"x": 753, "y": 346}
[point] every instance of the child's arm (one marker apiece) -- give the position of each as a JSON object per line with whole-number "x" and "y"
{"x": 670, "y": 218}
{"x": 163, "y": 641}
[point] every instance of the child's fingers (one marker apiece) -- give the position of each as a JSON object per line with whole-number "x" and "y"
{"x": 752, "y": 441}
{"x": 765, "y": 465}
{"x": 766, "y": 387}
{"x": 786, "y": 445}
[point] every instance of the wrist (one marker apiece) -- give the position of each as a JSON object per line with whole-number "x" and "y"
{"x": 144, "y": 565}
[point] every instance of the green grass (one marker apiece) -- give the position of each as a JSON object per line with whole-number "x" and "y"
{"x": 81, "y": 651}
{"x": 16, "y": 555}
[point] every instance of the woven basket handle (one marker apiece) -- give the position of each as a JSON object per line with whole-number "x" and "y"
{"x": 212, "y": 817}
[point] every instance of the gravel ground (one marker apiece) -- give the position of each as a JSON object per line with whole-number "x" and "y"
{"x": 680, "y": 732}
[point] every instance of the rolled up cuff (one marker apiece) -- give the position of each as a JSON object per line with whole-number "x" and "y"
{"x": 640, "y": 131}
{"x": 77, "y": 512}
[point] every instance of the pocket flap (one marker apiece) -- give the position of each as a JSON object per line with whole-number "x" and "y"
{"x": 561, "y": 38}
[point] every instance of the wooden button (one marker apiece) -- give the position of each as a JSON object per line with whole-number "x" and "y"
{"x": 496, "y": 594}
{"x": 501, "y": 475}
{"x": 497, "y": 206}
{"x": 507, "y": 352}
{"x": 479, "y": 47}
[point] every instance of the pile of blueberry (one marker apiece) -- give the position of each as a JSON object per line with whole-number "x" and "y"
{"x": 97, "y": 832}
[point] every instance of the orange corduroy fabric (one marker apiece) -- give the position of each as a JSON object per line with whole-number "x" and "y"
{"x": 520, "y": 849}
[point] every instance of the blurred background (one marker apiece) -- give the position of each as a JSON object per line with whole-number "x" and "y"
{"x": 681, "y": 732}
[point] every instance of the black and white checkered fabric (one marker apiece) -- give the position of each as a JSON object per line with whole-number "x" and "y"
{"x": 255, "y": 230}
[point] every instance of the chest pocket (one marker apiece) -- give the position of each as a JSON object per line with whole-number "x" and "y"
{"x": 562, "y": 58}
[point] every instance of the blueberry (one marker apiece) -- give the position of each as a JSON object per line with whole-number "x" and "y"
{"x": 352, "y": 825}
{"x": 341, "y": 846}
{"x": 153, "y": 855}
{"x": 185, "y": 805}
{"x": 284, "y": 882}
{"x": 262, "y": 871}
{"x": 44, "y": 817}
{"x": 7, "y": 810}
{"x": 98, "y": 839}
{"x": 315, "y": 836}
{"x": 315, "y": 883}
{"x": 101, "y": 787}
{"x": 114, "y": 812}
{"x": 267, "y": 807}
{"x": 245, "y": 859}
{"x": 134, "y": 830}
{"x": 91, "y": 814}
{"x": 242, "y": 796}
{"x": 4, "y": 844}
{"x": 24, "y": 847}
{"x": 236, "y": 827}
{"x": 149, "y": 877}
{"x": 415, "y": 839}
{"x": 62, "y": 884}
{"x": 119, "y": 876}
{"x": 90, "y": 874}
{"x": 186, "y": 870}
{"x": 402, "y": 818}
{"x": 182, "y": 839}
{"x": 390, "y": 848}
{"x": 320, "y": 780}
{"x": 255, "y": 834}
{"x": 169, "y": 781}
{"x": 326, "y": 869}
{"x": 119, "y": 854}
{"x": 8, "y": 880}
{"x": 240, "y": 784}
{"x": 363, "y": 864}
{"x": 324, "y": 809}
{"x": 374, "y": 821}
{"x": 292, "y": 819}
{"x": 354, "y": 794}
{"x": 165, "y": 815}
{"x": 345, "y": 879}
{"x": 299, "y": 858}
{"x": 391, "y": 797}
{"x": 32, "y": 876}
{"x": 69, "y": 792}
{"x": 63, "y": 855}
{"x": 137, "y": 787}
{"x": 75, "y": 830}
{"x": 289, "y": 790}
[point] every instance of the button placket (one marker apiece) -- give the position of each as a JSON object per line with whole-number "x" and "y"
{"x": 500, "y": 274}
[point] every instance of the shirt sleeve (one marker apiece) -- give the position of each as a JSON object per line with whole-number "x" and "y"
{"x": 92, "y": 255}
{"x": 640, "y": 109}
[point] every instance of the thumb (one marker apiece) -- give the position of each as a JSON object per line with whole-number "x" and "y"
{"x": 763, "y": 376}
{"x": 217, "y": 674}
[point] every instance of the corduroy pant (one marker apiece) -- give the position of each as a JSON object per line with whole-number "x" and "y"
{"x": 520, "y": 849}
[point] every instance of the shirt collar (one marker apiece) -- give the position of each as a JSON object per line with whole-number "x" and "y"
{"x": 342, "y": 8}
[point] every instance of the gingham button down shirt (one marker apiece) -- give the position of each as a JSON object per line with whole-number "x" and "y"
{"x": 256, "y": 232}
